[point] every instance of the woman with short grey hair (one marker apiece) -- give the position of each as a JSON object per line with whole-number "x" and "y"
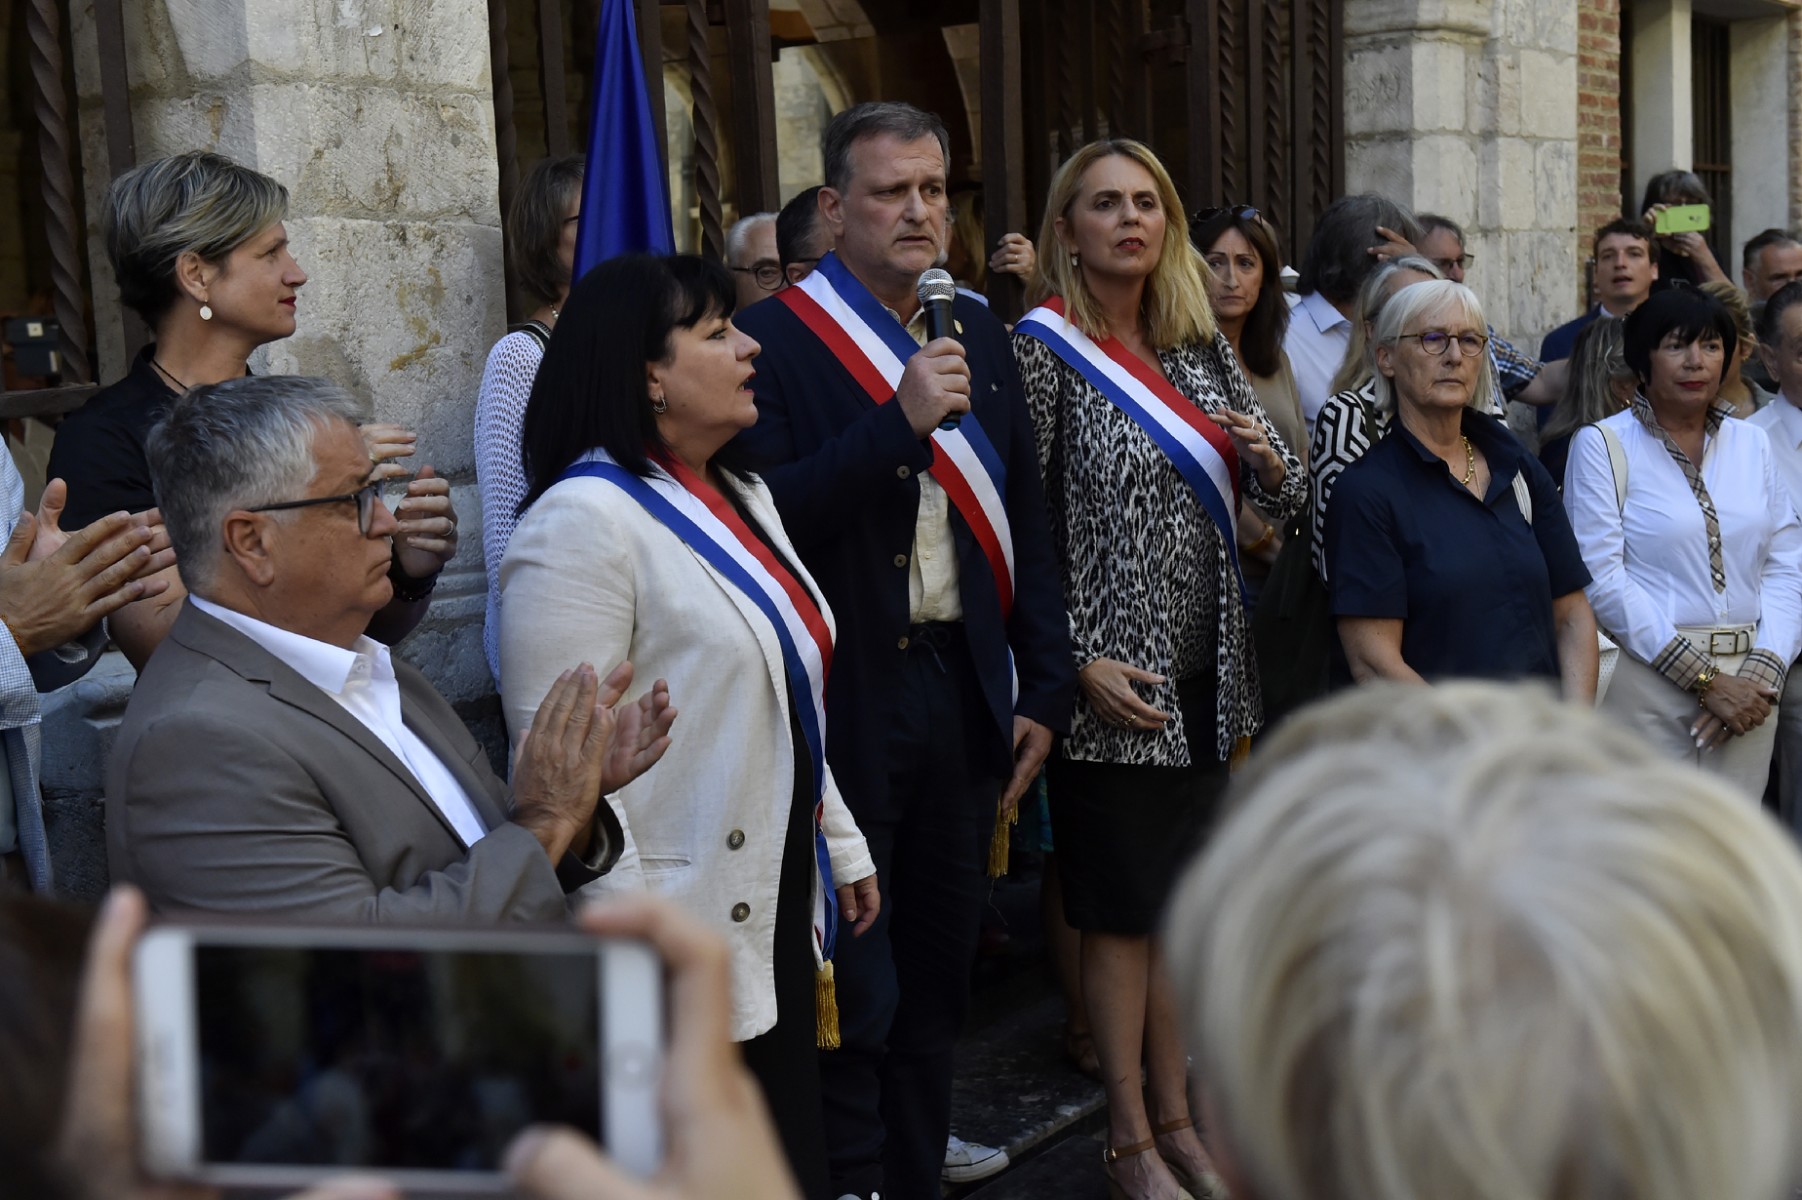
{"x": 199, "y": 248}
{"x": 1472, "y": 942}
{"x": 1449, "y": 553}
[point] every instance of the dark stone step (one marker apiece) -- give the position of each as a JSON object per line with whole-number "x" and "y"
{"x": 1066, "y": 1169}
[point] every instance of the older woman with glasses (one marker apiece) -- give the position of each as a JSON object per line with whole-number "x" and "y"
{"x": 1696, "y": 553}
{"x": 1449, "y": 553}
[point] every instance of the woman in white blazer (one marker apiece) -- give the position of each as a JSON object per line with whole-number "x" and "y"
{"x": 641, "y": 540}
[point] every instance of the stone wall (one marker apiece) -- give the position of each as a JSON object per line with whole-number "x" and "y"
{"x": 378, "y": 116}
{"x": 1795, "y": 119}
{"x": 1468, "y": 108}
{"x": 1598, "y": 124}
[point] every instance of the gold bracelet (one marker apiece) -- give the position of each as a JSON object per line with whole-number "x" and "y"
{"x": 1703, "y": 682}
{"x": 1263, "y": 538}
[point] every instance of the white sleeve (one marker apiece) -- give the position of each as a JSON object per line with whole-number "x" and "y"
{"x": 1630, "y": 616}
{"x": 569, "y": 591}
{"x": 1780, "y": 585}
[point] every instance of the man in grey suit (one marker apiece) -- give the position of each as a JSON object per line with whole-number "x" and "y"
{"x": 274, "y": 759}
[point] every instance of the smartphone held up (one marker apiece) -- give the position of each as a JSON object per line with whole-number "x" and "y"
{"x": 274, "y": 1056}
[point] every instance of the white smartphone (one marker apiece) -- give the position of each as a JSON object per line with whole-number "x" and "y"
{"x": 278, "y": 1056}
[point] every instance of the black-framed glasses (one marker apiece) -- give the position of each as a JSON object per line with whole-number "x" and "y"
{"x": 767, "y": 274}
{"x": 364, "y": 498}
{"x": 1239, "y": 212}
{"x": 1434, "y": 342}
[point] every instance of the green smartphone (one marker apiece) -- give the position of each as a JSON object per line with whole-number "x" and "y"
{"x": 1683, "y": 218}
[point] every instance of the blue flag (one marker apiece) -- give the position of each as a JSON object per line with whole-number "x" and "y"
{"x": 625, "y": 196}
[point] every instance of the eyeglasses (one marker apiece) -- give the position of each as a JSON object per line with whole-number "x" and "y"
{"x": 767, "y": 274}
{"x": 1435, "y": 342}
{"x": 1460, "y": 263}
{"x": 1239, "y": 212}
{"x": 364, "y": 498}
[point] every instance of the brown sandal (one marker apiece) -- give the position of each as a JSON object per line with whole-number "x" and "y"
{"x": 1205, "y": 1183}
{"x": 1114, "y": 1154}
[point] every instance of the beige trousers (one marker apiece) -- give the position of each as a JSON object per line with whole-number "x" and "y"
{"x": 1658, "y": 710}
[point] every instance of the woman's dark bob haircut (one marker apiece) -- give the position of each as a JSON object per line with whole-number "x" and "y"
{"x": 1689, "y": 314}
{"x": 590, "y": 391}
{"x": 535, "y": 225}
{"x": 1261, "y": 341}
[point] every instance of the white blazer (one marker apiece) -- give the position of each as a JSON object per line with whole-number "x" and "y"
{"x": 590, "y": 576}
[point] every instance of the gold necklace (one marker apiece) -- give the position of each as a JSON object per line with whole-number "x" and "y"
{"x": 1470, "y": 461}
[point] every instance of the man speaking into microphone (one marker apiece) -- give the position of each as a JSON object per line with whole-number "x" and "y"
{"x": 953, "y": 667}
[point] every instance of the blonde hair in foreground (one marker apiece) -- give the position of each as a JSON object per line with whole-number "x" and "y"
{"x": 1470, "y": 943}
{"x": 1176, "y": 295}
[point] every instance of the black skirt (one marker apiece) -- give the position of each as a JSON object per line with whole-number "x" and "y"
{"x": 1125, "y": 832}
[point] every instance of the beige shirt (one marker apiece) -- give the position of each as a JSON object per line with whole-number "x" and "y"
{"x": 932, "y": 593}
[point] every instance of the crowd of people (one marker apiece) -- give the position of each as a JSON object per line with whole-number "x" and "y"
{"x": 793, "y": 607}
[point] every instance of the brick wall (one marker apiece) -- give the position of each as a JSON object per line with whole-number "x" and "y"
{"x": 1598, "y": 122}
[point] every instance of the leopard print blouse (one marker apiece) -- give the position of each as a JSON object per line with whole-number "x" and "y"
{"x": 1147, "y": 577}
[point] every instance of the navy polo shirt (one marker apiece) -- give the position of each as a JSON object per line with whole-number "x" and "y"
{"x": 1470, "y": 579}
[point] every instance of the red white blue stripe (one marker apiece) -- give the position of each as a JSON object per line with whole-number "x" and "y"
{"x": 875, "y": 347}
{"x": 1200, "y": 450}
{"x": 706, "y": 522}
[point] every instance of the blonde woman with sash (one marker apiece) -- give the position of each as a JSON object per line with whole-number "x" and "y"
{"x": 643, "y": 538}
{"x": 1148, "y": 436}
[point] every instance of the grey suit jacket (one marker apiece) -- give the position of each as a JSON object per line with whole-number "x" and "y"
{"x": 237, "y": 786}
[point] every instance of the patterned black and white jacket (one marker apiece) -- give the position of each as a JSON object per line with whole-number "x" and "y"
{"x": 1147, "y": 577}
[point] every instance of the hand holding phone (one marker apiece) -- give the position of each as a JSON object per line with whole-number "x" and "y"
{"x": 1679, "y": 218}
{"x": 276, "y": 1056}
{"x": 98, "y": 1146}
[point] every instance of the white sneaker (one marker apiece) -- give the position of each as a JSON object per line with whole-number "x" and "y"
{"x": 966, "y": 1162}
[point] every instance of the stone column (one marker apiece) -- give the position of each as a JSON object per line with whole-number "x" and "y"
{"x": 1468, "y": 109}
{"x": 1664, "y": 133}
{"x": 378, "y": 116}
{"x": 1762, "y": 168}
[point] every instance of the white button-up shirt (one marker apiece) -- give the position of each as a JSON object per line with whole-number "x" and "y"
{"x": 362, "y": 681}
{"x": 932, "y": 581}
{"x": 1316, "y": 341}
{"x": 1649, "y": 556}
{"x": 1781, "y": 421}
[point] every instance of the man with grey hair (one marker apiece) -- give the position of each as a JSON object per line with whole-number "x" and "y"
{"x": 751, "y": 257}
{"x": 274, "y": 759}
{"x": 945, "y": 584}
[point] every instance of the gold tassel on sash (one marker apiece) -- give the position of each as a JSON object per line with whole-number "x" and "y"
{"x": 998, "y": 843}
{"x": 1241, "y": 752}
{"x": 825, "y": 1009}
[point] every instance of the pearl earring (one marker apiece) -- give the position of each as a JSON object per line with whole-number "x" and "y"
{"x": 206, "y": 312}
{"x": 1074, "y": 260}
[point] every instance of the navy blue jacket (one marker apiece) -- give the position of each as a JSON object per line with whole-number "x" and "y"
{"x": 844, "y": 472}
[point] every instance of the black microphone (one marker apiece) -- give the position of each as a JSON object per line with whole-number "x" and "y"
{"x": 936, "y": 289}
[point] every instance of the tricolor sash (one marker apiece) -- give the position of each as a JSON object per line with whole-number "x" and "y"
{"x": 707, "y": 523}
{"x": 875, "y": 347}
{"x": 1200, "y": 450}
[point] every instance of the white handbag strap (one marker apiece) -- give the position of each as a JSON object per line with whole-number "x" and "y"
{"x": 1617, "y": 463}
{"x": 1523, "y": 497}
